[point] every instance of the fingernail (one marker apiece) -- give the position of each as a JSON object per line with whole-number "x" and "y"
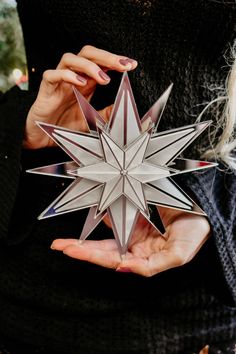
{"x": 81, "y": 79}
{"x": 52, "y": 247}
{"x": 127, "y": 62}
{"x": 124, "y": 270}
{"x": 103, "y": 75}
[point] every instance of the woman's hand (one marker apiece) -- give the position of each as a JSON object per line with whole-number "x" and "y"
{"x": 149, "y": 253}
{"x": 56, "y": 102}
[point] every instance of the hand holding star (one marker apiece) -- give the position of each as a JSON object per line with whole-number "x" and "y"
{"x": 149, "y": 253}
{"x": 56, "y": 102}
{"x": 123, "y": 168}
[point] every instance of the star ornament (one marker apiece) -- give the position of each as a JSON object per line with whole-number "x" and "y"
{"x": 123, "y": 168}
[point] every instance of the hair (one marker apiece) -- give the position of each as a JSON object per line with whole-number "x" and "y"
{"x": 226, "y": 120}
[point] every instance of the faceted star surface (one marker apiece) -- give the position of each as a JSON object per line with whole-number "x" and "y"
{"x": 122, "y": 168}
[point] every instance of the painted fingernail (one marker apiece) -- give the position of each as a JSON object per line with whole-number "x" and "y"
{"x": 127, "y": 61}
{"x": 103, "y": 75}
{"x": 124, "y": 270}
{"x": 81, "y": 79}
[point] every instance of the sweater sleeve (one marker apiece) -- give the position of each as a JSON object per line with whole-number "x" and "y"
{"x": 14, "y": 106}
{"x": 214, "y": 190}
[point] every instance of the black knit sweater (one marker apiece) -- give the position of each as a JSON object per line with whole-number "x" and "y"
{"x": 50, "y": 300}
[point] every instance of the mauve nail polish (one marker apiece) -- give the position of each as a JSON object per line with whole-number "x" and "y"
{"x": 81, "y": 79}
{"x": 126, "y": 61}
{"x": 103, "y": 75}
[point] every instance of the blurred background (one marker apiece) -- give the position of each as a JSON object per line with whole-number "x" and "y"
{"x": 12, "y": 55}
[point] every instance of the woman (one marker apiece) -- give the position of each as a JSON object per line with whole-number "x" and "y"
{"x": 51, "y": 302}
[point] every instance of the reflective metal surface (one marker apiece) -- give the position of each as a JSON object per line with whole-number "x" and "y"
{"x": 123, "y": 168}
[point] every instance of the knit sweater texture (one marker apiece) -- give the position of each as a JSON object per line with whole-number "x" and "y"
{"x": 73, "y": 307}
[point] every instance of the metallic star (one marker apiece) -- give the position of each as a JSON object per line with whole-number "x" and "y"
{"x": 122, "y": 168}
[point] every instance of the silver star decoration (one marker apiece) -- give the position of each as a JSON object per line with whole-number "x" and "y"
{"x": 122, "y": 168}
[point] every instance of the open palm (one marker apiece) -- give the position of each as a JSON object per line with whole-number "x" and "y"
{"x": 149, "y": 253}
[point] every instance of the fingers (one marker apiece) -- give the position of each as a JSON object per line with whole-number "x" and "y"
{"x": 100, "y": 257}
{"x": 103, "y": 253}
{"x": 107, "y": 59}
{"x": 67, "y": 75}
{"x": 147, "y": 256}
{"x": 61, "y": 244}
{"x": 91, "y": 60}
{"x": 85, "y": 66}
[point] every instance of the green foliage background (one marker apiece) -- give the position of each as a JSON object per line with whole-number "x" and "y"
{"x": 12, "y": 54}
